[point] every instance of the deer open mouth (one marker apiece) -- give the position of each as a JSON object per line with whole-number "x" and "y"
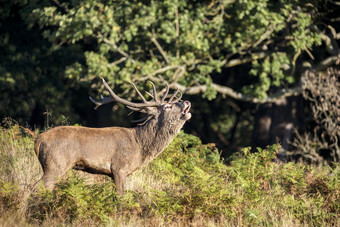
{"x": 187, "y": 106}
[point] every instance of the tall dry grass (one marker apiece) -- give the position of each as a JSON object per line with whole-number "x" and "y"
{"x": 19, "y": 164}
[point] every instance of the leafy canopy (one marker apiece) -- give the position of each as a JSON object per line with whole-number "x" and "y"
{"x": 182, "y": 42}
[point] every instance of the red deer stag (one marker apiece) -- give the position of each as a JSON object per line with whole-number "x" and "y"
{"x": 113, "y": 151}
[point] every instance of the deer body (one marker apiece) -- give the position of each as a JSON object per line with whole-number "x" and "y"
{"x": 113, "y": 151}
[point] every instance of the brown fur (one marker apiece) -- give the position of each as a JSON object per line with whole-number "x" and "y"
{"x": 113, "y": 151}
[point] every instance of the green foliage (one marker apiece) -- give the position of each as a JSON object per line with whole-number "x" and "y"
{"x": 8, "y": 196}
{"x": 187, "y": 182}
{"x": 192, "y": 39}
{"x": 31, "y": 73}
{"x": 76, "y": 200}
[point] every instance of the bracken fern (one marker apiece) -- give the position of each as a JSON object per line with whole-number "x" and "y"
{"x": 188, "y": 184}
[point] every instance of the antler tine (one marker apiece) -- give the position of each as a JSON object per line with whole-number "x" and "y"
{"x": 138, "y": 92}
{"x": 149, "y": 94}
{"x": 142, "y": 119}
{"x": 155, "y": 96}
{"x": 174, "y": 95}
{"x": 99, "y": 103}
{"x": 116, "y": 98}
{"x": 166, "y": 93}
{"x": 142, "y": 110}
{"x": 178, "y": 98}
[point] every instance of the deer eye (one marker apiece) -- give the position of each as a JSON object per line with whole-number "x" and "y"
{"x": 168, "y": 107}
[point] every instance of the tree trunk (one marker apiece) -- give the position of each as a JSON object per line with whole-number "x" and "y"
{"x": 274, "y": 123}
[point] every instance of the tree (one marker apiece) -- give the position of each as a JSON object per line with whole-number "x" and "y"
{"x": 252, "y": 51}
{"x": 185, "y": 42}
{"x": 32, "y": 81}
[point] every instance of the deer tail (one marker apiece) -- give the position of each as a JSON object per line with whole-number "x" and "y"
{"x": 37, "y": 146}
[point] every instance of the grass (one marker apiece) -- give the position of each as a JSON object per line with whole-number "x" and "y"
{"x": 188, "y": 185}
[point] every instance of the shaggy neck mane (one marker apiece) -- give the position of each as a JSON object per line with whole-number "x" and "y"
{"x": 154, "y": 136}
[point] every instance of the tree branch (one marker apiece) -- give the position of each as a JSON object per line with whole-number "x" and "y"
{"x": 286, "y": 92}
{"x": 265, "y": 35}
{"x": 283, "y": 93}
{"x": 240, "y": 61}
{"x": 162, "y": 70}
{"x": 152, "y": 75}
{"x": 118, "y": 61}
{"x": 116, "y": 47}
{"x": 335, "y": 2}
{"x": 331, "y": 44}
{"x": 327, "y": 62}
{"x": 337, "y": 36}
{"x": 160, "y": 49}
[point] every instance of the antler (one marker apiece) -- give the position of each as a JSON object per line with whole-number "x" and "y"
{"x": 116, "y": 98}
{"x": 140, "y": 107}
{"x": 174, "y": 95}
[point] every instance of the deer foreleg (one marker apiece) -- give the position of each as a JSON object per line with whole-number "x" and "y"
{"x": 119, "y": 179}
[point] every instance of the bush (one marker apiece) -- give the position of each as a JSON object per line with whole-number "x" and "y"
{"x": 187, "y": 185}
{"x": 320, "y": 141}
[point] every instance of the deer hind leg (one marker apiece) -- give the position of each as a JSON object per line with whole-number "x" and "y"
{"x": 53, "y": 172}
{"x": 49, "y": 179}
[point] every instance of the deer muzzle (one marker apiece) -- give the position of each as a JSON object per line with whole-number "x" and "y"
{"x": 186, "y": 109}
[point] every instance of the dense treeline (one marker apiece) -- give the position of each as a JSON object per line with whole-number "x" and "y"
{"x": 244, "y": 65}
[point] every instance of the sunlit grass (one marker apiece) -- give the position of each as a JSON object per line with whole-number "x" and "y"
{"x": 187, "y": 185}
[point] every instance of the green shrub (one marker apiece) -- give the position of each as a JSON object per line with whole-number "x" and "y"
{"x": 188, "y": 184}
{"x": 9, "y": 198}
{"x": 74, "y": 200}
